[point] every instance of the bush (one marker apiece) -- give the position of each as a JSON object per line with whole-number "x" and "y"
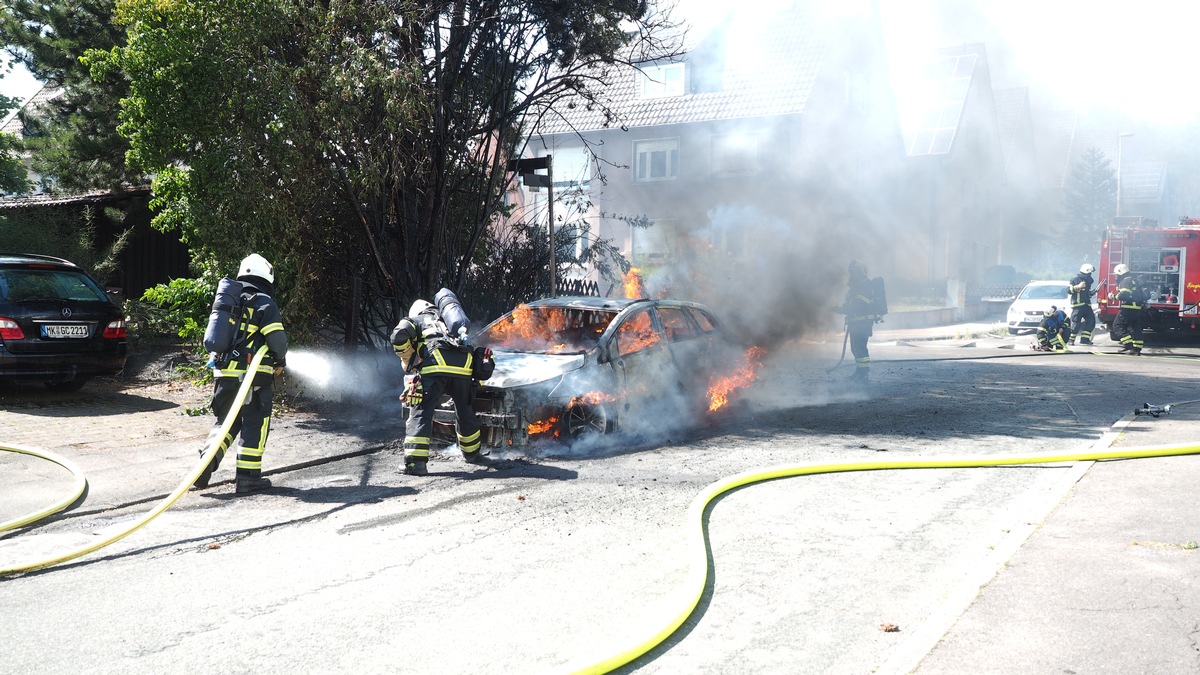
{"x": 180, "y": 308}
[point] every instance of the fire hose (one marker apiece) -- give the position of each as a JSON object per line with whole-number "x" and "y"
{"x": 210, "y": 450}
{"x": 692, "y": 590}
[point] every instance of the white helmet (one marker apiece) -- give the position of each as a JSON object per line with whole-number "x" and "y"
{"x": 1086, "y": 268}
{"x": 1121, "y": 269}
{"x": 1051, "y": 311}
{"x": 418, "y": 308}
{"x": 254, "y": 265}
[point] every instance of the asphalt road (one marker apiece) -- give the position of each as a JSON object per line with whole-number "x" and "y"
{"x": 566, "y": 557}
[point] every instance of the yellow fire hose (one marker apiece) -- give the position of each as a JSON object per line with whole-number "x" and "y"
{"x": 692, "y": 590}
{"x": 210, "y": 451}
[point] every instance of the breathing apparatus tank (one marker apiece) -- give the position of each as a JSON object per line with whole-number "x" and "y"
{"x": 453, "y": 314}
{"x": 221, "y": 332}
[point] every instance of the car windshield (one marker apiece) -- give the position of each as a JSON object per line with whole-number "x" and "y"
{"x": 25, "y": 285}
{"x": 547, "y": 330}
{"x": 1044, "y": 292}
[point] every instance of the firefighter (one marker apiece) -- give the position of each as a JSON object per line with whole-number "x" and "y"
{"x": 436, "y": 364}
{"x": 1127, "y": 327}
{"x": 859, "y": 308}
{"x": 261, "y": 324}
{"x": 1083, "y": 318}
{"x": 1053, "y": 331}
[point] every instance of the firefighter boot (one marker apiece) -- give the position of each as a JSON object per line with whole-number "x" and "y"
{"x": 861, "y": 374}
{"x": 248, "y": 481}
{"x": 477, "y": 458}
{"x": 415, "y": 466}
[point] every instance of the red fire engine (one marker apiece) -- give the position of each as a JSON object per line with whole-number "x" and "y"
{"x": 1166, "y": 260}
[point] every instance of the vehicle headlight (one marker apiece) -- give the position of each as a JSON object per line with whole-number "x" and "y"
{"x": 1014, "y": 314}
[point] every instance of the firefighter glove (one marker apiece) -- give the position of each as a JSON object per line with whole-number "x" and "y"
{"x": 412, "y": 395}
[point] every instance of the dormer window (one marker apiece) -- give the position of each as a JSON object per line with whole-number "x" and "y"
{"x": 662, "y": 80}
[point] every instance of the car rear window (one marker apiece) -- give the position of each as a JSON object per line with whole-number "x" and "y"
{"x": 27, "y": 285}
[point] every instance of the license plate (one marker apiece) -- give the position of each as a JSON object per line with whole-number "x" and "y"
{"x": 72, "y": 330}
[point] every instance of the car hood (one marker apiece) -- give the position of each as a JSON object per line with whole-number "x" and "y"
{"x": 515, "y": 369}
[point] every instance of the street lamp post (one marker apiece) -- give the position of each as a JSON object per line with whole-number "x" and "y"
{"x": 1120, "y": 143}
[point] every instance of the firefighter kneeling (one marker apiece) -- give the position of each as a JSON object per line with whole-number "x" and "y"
{"x": 438, "y": 362}
{"x": 1054, "y": 331}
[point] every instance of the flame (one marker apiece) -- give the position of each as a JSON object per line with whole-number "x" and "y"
{"x": 528, "y": 329}
{"x": 637, "y": 334}
{"x": 591, "y": 398}
{"x": 542, "y": 426}
{"x": 747, "y": 372}
{"x": 633, "y": 284}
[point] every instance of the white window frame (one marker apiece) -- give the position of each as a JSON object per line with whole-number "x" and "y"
{"x": 662, "y": 81}
{"x": 644, "y": 152}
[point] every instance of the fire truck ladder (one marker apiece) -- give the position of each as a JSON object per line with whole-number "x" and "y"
{"x": 1116, "y": 250}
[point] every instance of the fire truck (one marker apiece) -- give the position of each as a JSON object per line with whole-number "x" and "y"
{"x": 1166, "y": 261}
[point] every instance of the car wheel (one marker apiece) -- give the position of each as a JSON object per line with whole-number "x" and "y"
{"x": 67, "y": 385}
{"x": 585, "y": 419}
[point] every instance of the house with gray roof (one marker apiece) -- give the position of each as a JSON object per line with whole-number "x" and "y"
{"x": 774, "y": 138}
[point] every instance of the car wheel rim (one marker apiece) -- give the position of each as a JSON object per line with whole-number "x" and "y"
{"x": 585, "y": 419}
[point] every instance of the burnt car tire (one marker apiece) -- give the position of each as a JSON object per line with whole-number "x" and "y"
{"x": 586, "y": 419}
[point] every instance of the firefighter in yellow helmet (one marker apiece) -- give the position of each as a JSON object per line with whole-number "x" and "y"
{"x": 436, "y": 365}
{"x": 1127, "y": 327}
{"x": 261, "y": 323}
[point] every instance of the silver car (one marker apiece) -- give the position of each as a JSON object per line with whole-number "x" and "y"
{"x": 577, "y": 367}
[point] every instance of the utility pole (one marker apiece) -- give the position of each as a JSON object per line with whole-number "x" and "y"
{"x": 526, "y": 168}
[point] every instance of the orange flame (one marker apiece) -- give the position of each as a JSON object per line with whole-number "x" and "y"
{"x": 633, "y": 284}
{"x": 528, "y": 329}
{"x": 718, "y": 393}
{"x": 542, "y": 426}
{"x": 592, "y": 398}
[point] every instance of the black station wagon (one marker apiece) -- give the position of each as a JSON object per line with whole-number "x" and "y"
{"x": 57, "y": 325}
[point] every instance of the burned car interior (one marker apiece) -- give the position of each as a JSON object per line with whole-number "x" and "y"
{"x": 570, "y": 368}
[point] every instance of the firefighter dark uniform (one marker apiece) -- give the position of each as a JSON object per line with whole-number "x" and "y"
{"x": 1083, "y": 318}
{"x": 261, "y": 324}
{"x": 436, "y": 367}
{"x": 1053, "y": 331}
{"x": 860, "y": 318}
{"x": 1127, "y": 327}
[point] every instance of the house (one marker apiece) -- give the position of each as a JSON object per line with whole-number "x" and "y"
{"x": 763, "y": 160}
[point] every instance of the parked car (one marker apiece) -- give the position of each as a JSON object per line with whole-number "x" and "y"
{"x": 587, "y": 366}
{"x": 1030, "y": 305}
{"x": 57, "y": 325}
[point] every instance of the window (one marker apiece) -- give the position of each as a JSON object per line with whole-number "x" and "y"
{"x": 662, "y": 80}
{"x": 636, "y": 334}
{"x": 656, "y": 160}
{"x": 572, "y": 168}
{"x": 735, "y": 153}
{"x": 705, "y": 321}
{"x": 654, "y": 243}
{"x": 676, "y": 323}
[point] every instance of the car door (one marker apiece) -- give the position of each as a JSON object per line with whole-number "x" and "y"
{"x": 641, "y": 362}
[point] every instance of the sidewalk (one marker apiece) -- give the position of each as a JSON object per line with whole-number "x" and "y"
{"x": 1109, "y": 582}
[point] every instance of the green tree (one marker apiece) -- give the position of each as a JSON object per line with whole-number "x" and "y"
{"x": 72, "y": 138}
{"x": 360, "y": 145}
{"x": 1089, "y": 204}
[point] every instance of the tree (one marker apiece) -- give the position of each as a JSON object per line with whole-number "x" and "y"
{"x": 361, "y": 144}
{"x": 1088, "y": 205}
{"x": 72, "y": 139}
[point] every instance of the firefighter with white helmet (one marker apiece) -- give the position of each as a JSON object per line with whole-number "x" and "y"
{"x": 1053, "y": 331}
{"x": 260, "y": 324}
{"x": 1083, "y": 317}
{"x": 438, "y": 363}
{"x": 1127, "y": 327}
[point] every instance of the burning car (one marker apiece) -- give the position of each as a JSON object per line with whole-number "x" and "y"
{"x": 579, "y": 366}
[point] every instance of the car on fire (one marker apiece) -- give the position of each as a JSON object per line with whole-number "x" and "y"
{"x": 57, "y": 325}
{"x": 1027, "y": 310}
{"x": 571, "y": 367}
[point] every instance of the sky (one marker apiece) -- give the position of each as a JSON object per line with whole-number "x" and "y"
{"x": 1136, "y": 59}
